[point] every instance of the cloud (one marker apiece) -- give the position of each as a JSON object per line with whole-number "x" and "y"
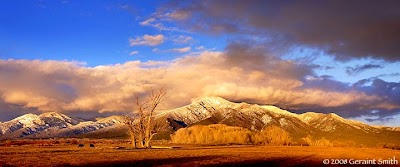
{"x": 183, "y": 39}
{"x": 181, "y": 50}
{"x": 261, "y": 78}
{"x": 133, "y": 53}
{"x": 389, "y": 75}
{"x": 346, "y": 30}
{"x": 157, "y": 21}
{"x": 201, "y": 48}
{"x": 178, "y": 15}
{"x": 147, "y": 40}
{"x": 355, "y": 70}
{"x": 147, "y": 22}
{"x": 152, "y": 22}
{"x": 175, "y": 50}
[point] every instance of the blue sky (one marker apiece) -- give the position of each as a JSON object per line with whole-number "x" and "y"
{"x": 94, "y": 33}
{"x": 98, "y": 34}
{"x": 107, "y": 33}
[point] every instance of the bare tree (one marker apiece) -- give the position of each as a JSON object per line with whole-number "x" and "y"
{"x": 130, "y": 122}
{"x": 143, "y": 127}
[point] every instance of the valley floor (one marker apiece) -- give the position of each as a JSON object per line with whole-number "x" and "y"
{"x": 107, "y": 154}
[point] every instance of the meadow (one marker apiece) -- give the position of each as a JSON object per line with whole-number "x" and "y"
{"x": 66, "y": 152}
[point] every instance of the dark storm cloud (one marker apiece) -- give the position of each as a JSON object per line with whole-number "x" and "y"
{"x": 358, "y": 68}
{"x": 390, "y": 91}
{"x": 346, "y": 29}
{"x": 11, "y": 111}
{"x": 325, "y": 82}
{"x": 387, "y": 105}
{"x": 389, "y": 75}
{"x": 257, "y": 57}
{"x": 378, "y": 119}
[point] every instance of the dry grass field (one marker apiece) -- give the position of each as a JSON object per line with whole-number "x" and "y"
{"x": 116, "y": 153}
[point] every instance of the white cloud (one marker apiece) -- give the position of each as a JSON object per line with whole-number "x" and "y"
{"x": 178, "y": 15}
{"x": 181, "y": 50}
{"x": 147, "y": 22}
{"x": 147, "y": 40}
{"x": 153, "y": 22}
{"x": 183, "y": 39}
{"x": 156, "y": 50}
{"x": 200, "y": 48}
{"x": 66, "y": 86}
{"x": 176, "y": 50}
{"x": 133, "y": 53}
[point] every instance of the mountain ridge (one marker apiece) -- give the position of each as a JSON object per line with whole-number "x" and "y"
{"x": 209, "y": 110}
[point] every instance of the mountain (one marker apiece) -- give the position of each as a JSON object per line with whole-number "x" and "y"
{"x": 209, "y": 110}
{"x": 52, "y": 124}
{"x": 213, "y": 110}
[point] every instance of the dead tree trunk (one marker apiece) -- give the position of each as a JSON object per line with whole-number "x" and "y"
{"x": 155, "y": 98}
{"x": 143, "y": 130}
{"x": 130, "y": 122}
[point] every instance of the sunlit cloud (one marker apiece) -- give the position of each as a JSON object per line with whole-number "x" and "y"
{"x": 173, "y": 50}
{"x": 182, "y": 39}
{"x": 178, "y": 15}
{"x": 70, "y": 86}
{"x": 133, "y": 53}
{"x": 181, "y": 50}
{"x": 147, "y": 40}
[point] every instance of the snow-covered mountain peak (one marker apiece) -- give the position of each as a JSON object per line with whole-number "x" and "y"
{"x": 29, "y": 116}
{"x": 52, "y": 124}
{"x": 54, "y": 114}
{"x": 28, "y": 119}
{"x": 277, "y": 110}
{"x": 309, "y": 116}
{"x": 56, "y": 117}
{"x": 116, "y": 119}
{"x": 213, "y": 100}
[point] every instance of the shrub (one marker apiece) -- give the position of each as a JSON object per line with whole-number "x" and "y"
{"x": 381, "y": 145}
{"x": 272, "y": 135}
{"x": 212, "y": 134}
{"x": 390, "y": 145}
{"x": 306, "y": 141}
{"x": 323, "y": 143}
{"x": 339, "y": 144}
{"x": 303, "y": 142}
{"x": 351, "y": 143}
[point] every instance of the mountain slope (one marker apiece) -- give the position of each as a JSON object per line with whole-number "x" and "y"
{"x": 213, "y": 110}
{"x": 210, "y": 110}
{"x": 52, "y": 124}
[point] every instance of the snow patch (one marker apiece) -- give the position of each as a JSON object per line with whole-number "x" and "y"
{"x": 283, "y": 122}
{"x": 266, "y": 119}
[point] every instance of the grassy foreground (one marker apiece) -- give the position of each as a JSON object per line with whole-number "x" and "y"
{"x": 108, "y": 154}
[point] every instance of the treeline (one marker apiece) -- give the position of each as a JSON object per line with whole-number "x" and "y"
{"x": 220, "y": 134}
{"x": 388, "y": 146}
{"x": 223, "y": 134}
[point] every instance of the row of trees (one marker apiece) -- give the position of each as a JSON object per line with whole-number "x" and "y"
{"x": 271, "y": 135}
{"x": 223, "y": 134}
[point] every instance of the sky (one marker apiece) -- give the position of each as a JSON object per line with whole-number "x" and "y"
{"x": 90, "y": 58}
